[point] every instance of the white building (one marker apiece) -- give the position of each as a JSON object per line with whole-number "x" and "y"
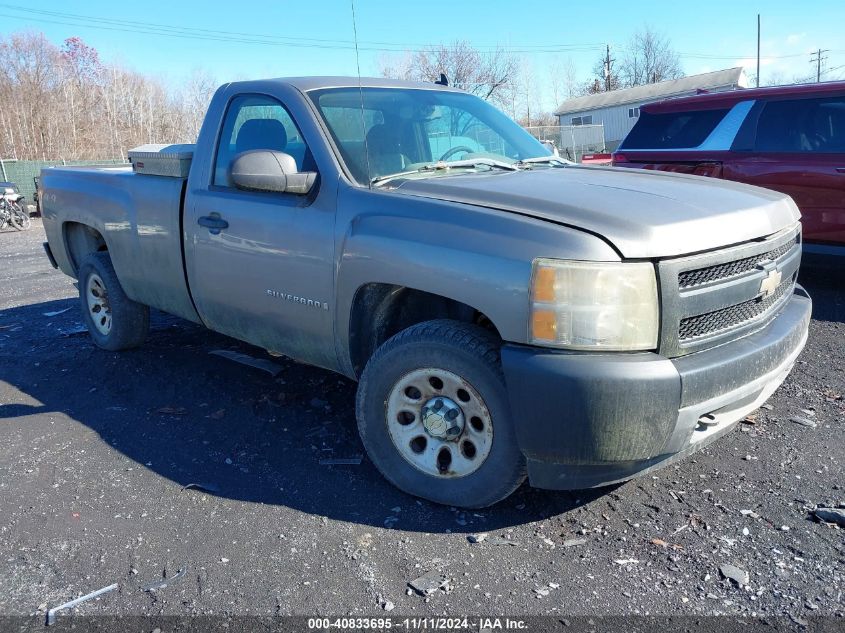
{"x": 618, "y": 110}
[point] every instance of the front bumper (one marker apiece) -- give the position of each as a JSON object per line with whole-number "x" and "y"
{"x": 592, "y": 419}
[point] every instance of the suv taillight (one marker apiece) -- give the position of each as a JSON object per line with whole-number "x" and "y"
{"x": 619, "y": 158}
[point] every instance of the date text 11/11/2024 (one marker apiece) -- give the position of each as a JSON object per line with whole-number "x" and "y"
{"x": 417, "y": 624}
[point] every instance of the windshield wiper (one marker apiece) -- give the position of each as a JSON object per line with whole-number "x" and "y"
{"x": 444, "y": 166}
{"x": 560, "y": 162}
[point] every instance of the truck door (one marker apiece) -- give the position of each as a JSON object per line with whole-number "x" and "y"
{"x": 800, "y": 150}
{"x": 260, "y": 264}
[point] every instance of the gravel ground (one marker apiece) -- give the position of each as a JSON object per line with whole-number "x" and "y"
{"x": 97, "y": 450}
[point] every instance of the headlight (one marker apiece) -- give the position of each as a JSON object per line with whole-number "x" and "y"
{"x": 593, "y": 305}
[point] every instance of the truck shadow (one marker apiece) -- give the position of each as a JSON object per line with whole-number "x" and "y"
{"x": 826, "y": 285}
{"x": 237, "y": 432}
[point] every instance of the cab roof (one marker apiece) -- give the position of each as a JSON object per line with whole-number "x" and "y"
{"x": 306, "y": 84}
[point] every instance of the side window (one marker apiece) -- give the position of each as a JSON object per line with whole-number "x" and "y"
{"x": 802, "y": 125}
{"x": 672, "y": 130}
{"x": 258, "y": 122}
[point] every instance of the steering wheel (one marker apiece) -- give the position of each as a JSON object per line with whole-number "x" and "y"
{"x": 454, "y": 150}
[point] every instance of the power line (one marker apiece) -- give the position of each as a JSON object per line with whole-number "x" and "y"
{"x": 182, "y": 32}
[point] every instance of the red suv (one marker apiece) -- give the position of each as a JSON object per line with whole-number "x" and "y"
{"x": 788, "y": 138}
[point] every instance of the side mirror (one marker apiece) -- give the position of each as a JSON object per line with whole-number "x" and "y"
{"x": 268, "y": 170}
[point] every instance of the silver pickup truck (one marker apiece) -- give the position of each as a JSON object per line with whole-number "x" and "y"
{"x": 505, "y": 314}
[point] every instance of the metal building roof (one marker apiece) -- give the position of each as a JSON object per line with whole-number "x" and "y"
{"x": 732, "y": 77}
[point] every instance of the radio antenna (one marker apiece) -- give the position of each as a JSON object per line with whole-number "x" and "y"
{"x": 361, "y": 95}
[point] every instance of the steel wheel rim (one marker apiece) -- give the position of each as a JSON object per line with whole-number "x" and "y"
{"x": 427, "y": 452}
{"x": 97, "y": 299}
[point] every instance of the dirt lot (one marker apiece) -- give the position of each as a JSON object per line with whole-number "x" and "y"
{"x": 97, "y": 449}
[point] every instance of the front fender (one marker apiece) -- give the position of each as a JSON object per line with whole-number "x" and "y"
{"x": 477, "y": 256}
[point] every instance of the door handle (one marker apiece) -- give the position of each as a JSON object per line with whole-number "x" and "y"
{"x": 214, "y": 223}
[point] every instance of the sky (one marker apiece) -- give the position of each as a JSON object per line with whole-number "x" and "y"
{"x": 251, "y": 39}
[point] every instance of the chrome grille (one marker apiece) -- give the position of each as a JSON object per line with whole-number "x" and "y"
{"x": 726, "y": 318}
{"x": 701, "y": 276}
{"x": 715, "y": 297}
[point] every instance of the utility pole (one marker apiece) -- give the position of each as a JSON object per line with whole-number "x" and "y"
{"x": 818, "y": 61}
{"x": 607, "y": 66}
{"x": 758, "y": 50}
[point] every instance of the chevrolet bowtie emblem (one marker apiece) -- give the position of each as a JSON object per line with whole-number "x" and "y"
{"x": 770, "y": 283}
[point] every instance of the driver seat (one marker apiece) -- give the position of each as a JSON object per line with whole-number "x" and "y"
{"x": 384, "y": 151}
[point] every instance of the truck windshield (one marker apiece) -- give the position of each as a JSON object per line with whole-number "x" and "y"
{"x": 407, "y": 129}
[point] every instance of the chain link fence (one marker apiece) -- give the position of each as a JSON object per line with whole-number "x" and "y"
{"x": 572, "y": 141}
{"x": 24, "y": 172}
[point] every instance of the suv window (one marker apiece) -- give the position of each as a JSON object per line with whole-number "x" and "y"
{"x": 672, "y": 130}
{"x": 258, "y": 122}
{"x": 802, "y": 125}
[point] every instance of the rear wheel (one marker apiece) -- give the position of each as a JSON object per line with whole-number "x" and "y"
{"x": 434, "y": 417}
{"x": 19, "y": 217}
{"x": 114, "y": 321}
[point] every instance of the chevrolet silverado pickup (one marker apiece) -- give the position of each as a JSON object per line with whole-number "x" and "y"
{"x": 506, "y": 314}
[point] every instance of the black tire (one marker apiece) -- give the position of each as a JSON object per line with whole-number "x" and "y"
{"x": 19, "y": 217}
{"x": 129, "y": 321}
{"x": 471, "y": 353}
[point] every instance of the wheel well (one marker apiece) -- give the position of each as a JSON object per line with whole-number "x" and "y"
{"x": 381, "y": 310}
{"x": 81, "y": 240}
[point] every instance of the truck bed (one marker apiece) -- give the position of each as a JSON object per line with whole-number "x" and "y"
{"x": 138, "y": 216}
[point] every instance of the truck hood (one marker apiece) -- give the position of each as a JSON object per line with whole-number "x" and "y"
{"x": 643, "y": 214}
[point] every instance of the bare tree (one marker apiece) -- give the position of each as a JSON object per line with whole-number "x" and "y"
{"x": 649, "y": 58}
{"x": 563, "y": 80}
{"x": 64, "y": 103}
{"x": 486, "y": 74}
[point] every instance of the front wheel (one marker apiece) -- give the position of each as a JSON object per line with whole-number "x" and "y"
{"x": 433, "y": 414}
{"x": 114, "y": 321}
{"x": 19, "y": 217}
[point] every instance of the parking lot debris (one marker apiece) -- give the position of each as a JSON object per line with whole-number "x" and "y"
{"x": 429, "y": 582}
{"x": 477, "y": 538}
{"x": 803, "y": 421}
{"x": 767, "y": 406}
{"x": 749, "y": 513}
{"x": 661, "y": 543}
{"x": 735, "y": 574}
{"x": 244, "y": 359}
{"x": 831, "y": 515}
{"x": 74, "y": 331}
{"x": 626, "y": 561}
{"x": 55, "y": 312}
{"x": 572, "y": 542}
{"x": 500, "y": 540}
{"x": 342, "y": 461}
{"x": 51, "y": 614}
{"x": 164, "y": 582}
{"x": 204, "y": 487}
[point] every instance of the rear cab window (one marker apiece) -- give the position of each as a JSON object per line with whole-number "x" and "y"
{"x": 672, "y": 130}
